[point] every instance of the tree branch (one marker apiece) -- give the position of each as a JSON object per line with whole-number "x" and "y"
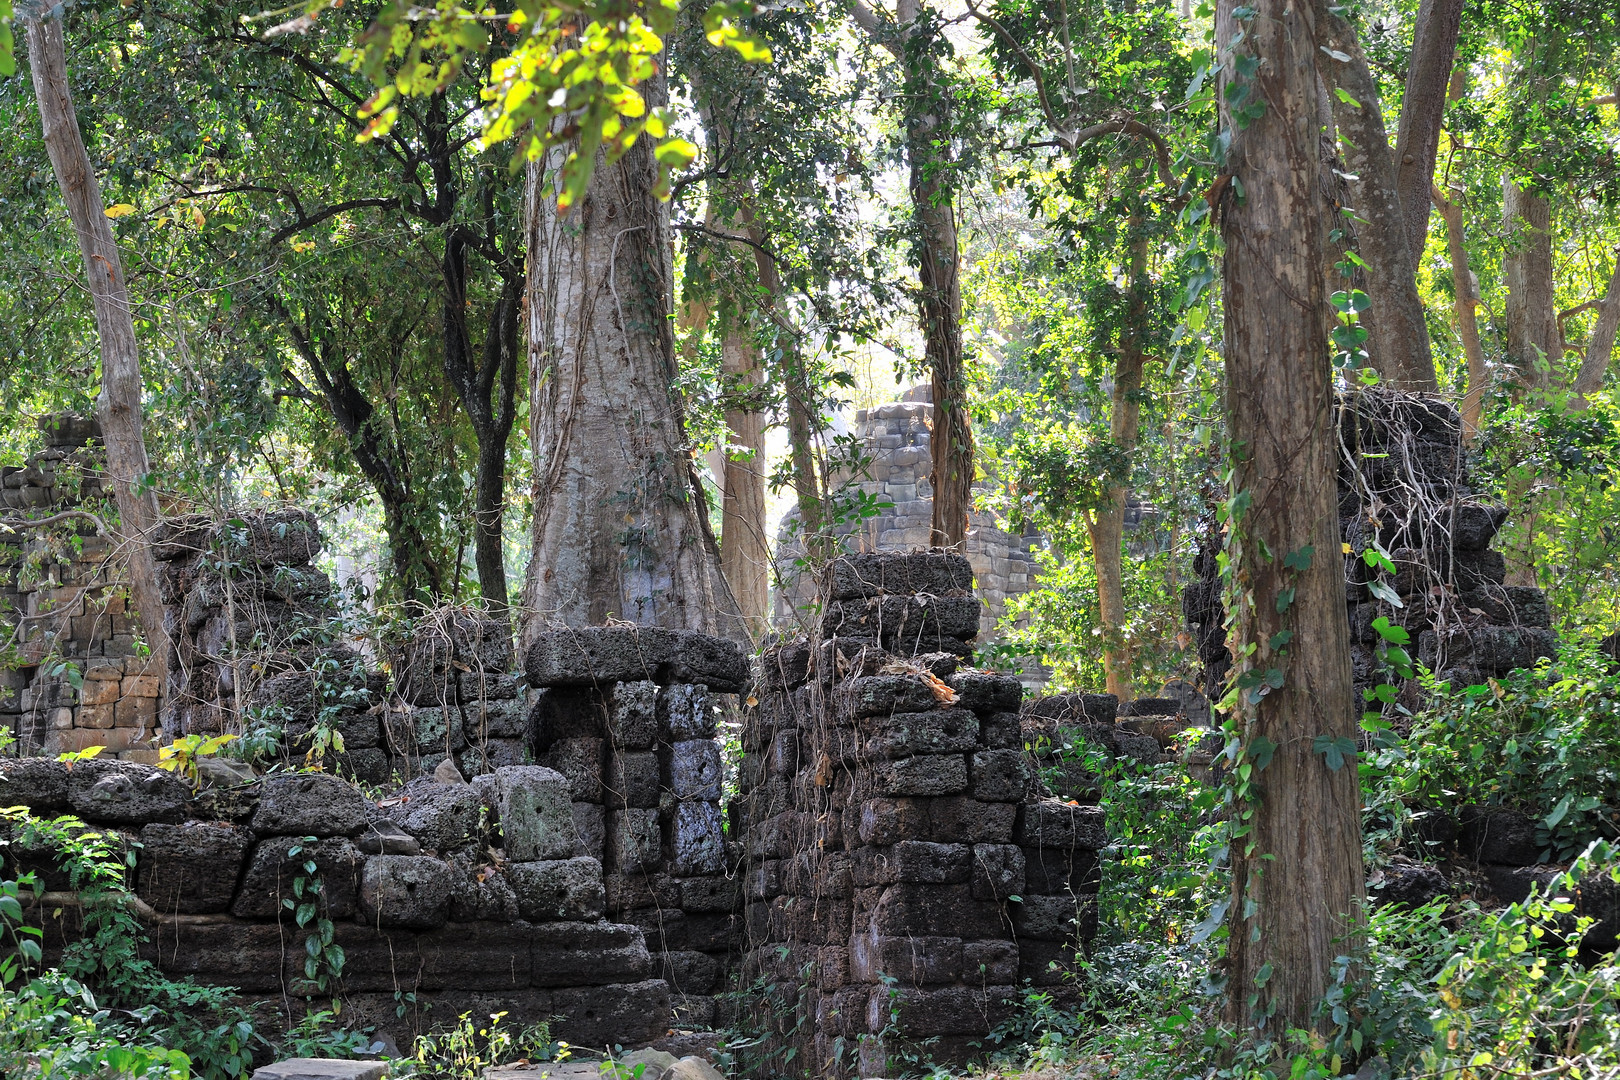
{"x": 310, "y": 220}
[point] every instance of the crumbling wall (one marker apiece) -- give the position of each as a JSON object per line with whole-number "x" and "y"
{"x": 75, "y": 674}
{"x": 630, "y": 716}
{"x": 904, "y": 874}
{"x": 471, "y": 897}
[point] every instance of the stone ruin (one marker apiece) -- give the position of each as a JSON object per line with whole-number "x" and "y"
{"x": 1403, "y": 482}
{"x": 63, "y": 598}
{"x": 897, "y": 437}
{"x": 904, "y": 875}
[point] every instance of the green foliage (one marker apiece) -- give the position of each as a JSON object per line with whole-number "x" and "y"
{"x": 1545, "y": 741}
{"x": 465, "y": 1051}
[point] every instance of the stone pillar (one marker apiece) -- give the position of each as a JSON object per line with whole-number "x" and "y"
{"x": 904, "y": 874}
{"x": 630, "y": 715}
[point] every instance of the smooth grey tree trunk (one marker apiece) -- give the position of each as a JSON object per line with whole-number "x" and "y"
{"x": 618, "y": 528}
{"x": 1534, "y": 343}
{"x": 1423, "y": 108}
{"x": 1600, "y": 346}
{"x": 120, "y": 404}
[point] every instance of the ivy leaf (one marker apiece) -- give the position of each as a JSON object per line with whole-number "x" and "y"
{"x": 1558, "y": 812}
{"x": 1395, "y": 635}
{"x": 1260, "y": 751}
{"x": 1335, "y": 751}
{"x": 1300, "y": 559}
{"x": 1211, "y": 922}
{"x": 1384, "y": 591}
{"x": 1285, "y": 600}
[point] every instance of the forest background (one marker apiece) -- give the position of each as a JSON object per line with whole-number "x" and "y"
{"x": 328, "y": 312}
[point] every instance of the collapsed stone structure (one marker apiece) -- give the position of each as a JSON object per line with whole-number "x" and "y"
{"x": 897, "y": 439}
{"x": 904, "y": 876}
{"x": 450, "y": 897}
{"x": 61, "y": 592}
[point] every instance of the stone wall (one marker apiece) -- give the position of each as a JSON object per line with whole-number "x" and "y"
{"x": 63, "y": 600}
{"x": 630, "y": 716}
{"x": 471, "y": 897}
{"x": 897, "y": 437}
{"x": 904, "y": 874}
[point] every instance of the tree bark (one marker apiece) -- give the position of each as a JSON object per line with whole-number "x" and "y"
{"x": 745, "y": 554}
{"x": 121, "y": 391}
{"x": 1296, "y": 867}
{"x": 1423, "y": 108}
{"x": 926, "y": 122}
{"x": 1600, "y": 346}
{"x": 488, "y": 391}
{"x": 1398, "y": 338}
{"x": 1534, "y": 342}
{"x": 1465, "y": 304}
{"x": 617, "y": 531}
{"x": 1106, "y": 527}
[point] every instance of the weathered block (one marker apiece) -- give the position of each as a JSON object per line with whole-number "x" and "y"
{"x": 591, "y": 821}
{"x": 410, "y": 891}
{"x": 277, "y": 864}
{"x": 709, "y": 894}
{"x": 697, "y": 843}
{"x": 950, "y": 1010}
{"x": 884, "y": 695}
{"x": 581, "y": 762}
{"x": 1054, "y": 870}
{"x": 939, "y": 774}
{"x": 629, "y": 1014}
{"x": 986, "y": 693}
{"x": 554, "y": 889}
{"x": 686, "y": 711}
{"x": 632, "y": 780}
{"x": 633, "y": 715}
{"x": 694, "y": 770}
{"x": 887, "y": 821}
{"x": 961, "y": 820}
{"x": 1052, "y": 918}
{"x": 871, "y": 574}
{"x": 126, "y": 793}
{"x": 442, "y": 817}
{"x": 41, "y": 784}
{"x": 993, "y": 963}
{"x": 587, "y": 954}
{"x": 1000, "y": 776}
{"x": 309, "y": 804}
{"x": 1052, "y": 823}
{"x": 909, "y": 909}
{"x": 937, "y": 731}
{"x": 911, "y": 860}
{"x": 636, "y": 840}
{"x": 535, "y": 812}
{"x": 915, "y": 961}
{"x": 1001, "y": 731}
{"x": 190, "y": 869}
{"x": 998, "y": 871}
{"x": 605, "y": 654}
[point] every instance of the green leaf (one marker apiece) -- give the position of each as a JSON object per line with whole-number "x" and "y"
{"x": 1558, "y": 812}
{"x": 1395, "y": 635}
{"x": 1300, "y": 559}
{"x": 1260, "y": 751}
{"x": 1279, "y": 639}
{"x": 1285, "y": 600}
{"x": 1384, "y": 591}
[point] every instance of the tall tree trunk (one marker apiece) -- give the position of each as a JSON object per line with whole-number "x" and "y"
{"x": 1600, "y": 346}
{"x": 120, "y": 406}
{"x": 1297, "y": 879}
{"x": 487, "y": 391}
{"x": 1423, "y": 107}
{"x": 745, "y": 554}
{"x": 1465, "y": 304}
{"x": 1534, "y": 343}
{"x": 933, "y": 204}
{"x": 617, "y": 530}
{"x": 1106, "y": 527}
{"x": 1398, "y": 338}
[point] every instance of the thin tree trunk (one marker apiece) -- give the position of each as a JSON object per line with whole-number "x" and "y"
{"x": 1465, "y": 304}
{"x": 120, "y": 406}
{"x": 1297, "y": 872}
{"x": 1423, "y": 107}
{"x": 1534, "y": 343}
{"x": 617, "y": 530}
{"x": 1600, "y": 346}
{"x": 745, "y": 555}
{"x": 941, "y": 310}
{"x": 1106, "y": 527}
{"x": 1398, "y": 338}
{"x": 926, "y": 124}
